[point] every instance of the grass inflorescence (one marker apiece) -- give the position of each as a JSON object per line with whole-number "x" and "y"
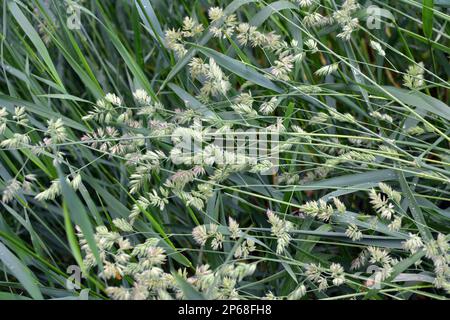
{"x": 99, "y": 101}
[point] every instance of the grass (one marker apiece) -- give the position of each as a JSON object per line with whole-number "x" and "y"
{"x": 102, "y": 190}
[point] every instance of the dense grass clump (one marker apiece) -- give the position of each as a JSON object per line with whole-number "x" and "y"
{"x": 111, "y": 165}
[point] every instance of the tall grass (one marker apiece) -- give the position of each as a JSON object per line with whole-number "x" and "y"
{"x": 90, "y": 175}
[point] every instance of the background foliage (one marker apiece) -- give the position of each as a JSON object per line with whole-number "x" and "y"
{"x": 54, "y": 72}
